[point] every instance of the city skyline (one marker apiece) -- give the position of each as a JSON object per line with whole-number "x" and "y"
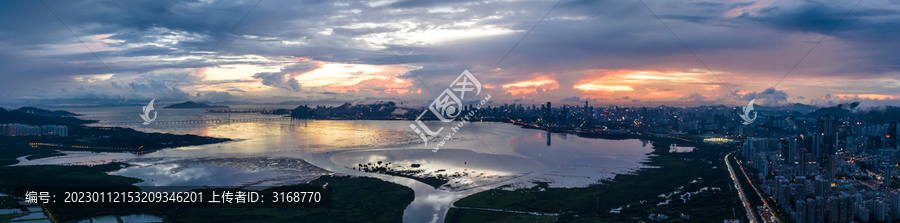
{"x": 612, "y": 53}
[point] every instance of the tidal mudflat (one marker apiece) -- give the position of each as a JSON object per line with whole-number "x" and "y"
{"x": 277, "y": 153}
{"x": 446, "y": 169}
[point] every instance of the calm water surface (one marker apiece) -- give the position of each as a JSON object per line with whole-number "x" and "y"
{"x": 484, "y": 156}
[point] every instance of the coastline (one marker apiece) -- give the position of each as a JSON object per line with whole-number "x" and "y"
{"x": 671, "y": 173}
{"x": 446, "y": 211}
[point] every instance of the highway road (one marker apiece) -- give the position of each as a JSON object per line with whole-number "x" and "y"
{"x": 761, "y": 197}
{"x": 737, "y": 184}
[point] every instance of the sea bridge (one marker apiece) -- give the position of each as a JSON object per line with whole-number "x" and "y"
{"x": 203, "y": 121}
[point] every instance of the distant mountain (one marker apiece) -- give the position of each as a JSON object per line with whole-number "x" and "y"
{"x": 191, "y": 104}
{"x": 791, "y": 108}
{"x": 888, "y": 114}
{"x": 290, "y": 103}
{"x": 230, "y": 102}
{"x": 38, "y": 111}
{"x": 875, "y": 116}
{"x": 36, "y": 116}
{"x": 714, "y": 107}
{"x": 833, "y": 111}
{"x": 802, "y": 108}
{"x": 347, "y": 110}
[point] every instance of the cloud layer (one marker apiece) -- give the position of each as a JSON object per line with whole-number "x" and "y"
{"x": 606, "y": 52}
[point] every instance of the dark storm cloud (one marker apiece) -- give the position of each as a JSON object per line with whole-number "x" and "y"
{"x": 29, "y": 26}
{"x": 695, "y": 97}
{"x": 424, "y": 4}
{"x": 215, "y": 96}
{"x": 345, "y": 32}
{"x": 565, "y": 43}
{"x": 872, "y": 28}
{"x": 571, "y": 99}
{"x": 285, "y": 78}
{"x": 524, "y": 101}
{"x": 820, "y": 17}
{"x": 769, "y": 97}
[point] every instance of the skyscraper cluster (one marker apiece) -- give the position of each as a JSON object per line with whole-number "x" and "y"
{"x": 839, "y": 171}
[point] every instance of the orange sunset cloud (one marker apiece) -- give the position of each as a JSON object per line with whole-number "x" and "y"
{"x": 377, "y": 86}
{"x": 531, "y": 86}
{"x": 645, "y": 84}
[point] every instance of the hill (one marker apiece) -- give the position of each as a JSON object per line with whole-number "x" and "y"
{"x": 36, "y": 116}
{"x": 191, "y": 104}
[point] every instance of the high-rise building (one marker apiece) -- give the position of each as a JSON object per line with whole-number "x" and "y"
{"x": 823, "y": 187}
{"x": 891, "y": 135}
{"x": 782, "y": 190}
{"x": 799, "y": 188}
{"x": 888, "y": 174}
{"x": 827, "y": 125}
{"x": 818, "y": 146}
{"x": 800, "y": 211}
{"x": 844, "y": 212}
{"x": 821, "y": 209}
{"x": 811, "y": 212}
{"x": 895, "y": 202}
{"x": 862, "y": 213}
{"x": 831, "y": 167}
{"x": 803, "y": 161}
{"x": 881, "y": 211}
{"x": 834, "y": 209}
{"x": 548, "y": 112}
{"x": 544, "y": 112}
{"x": 856, "y": 200}
{"x": 790, "y": 152}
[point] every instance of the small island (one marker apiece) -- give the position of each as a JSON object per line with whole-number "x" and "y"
{"x": 191, "y": 104}
{"x": 432, "y": 179}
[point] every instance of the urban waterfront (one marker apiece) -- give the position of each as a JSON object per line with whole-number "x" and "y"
{"x": 262, "y": 154}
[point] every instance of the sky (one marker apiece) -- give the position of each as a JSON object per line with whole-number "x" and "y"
{"x": 312, "y": 52}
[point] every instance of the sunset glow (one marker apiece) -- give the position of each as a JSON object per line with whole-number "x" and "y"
{"x": 534, "y": 85}
{"x": 406, "y": 51}
{"x": 595, "y": 86}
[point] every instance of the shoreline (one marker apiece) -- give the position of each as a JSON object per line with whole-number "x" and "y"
{"x": 492, "y": 187}
{"x": 666, "y": 166}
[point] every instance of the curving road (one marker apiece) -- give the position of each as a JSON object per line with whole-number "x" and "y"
{"x": 761, "y": 197}
{"x": 737, "y": 184}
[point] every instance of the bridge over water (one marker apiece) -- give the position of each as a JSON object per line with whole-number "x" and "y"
{"x": 202, "y": 121}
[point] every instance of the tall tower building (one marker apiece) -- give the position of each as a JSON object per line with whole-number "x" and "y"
{"x": 834, "y": 209}
{"x": 827, "y": 124}
{"x": 802, "y": 158}
{"x": 881, "y": 211}
{"x": 888, "y": 174}
{"x": 544, "y": 113}
{"x": 831, "y": 166}
{"x": 821, "y": 209}
{"x": 823, "y": 187}
{"x": 790, "y": 150}
{"x": 801, "y": 211}
{"x": 811, "y": 212}
{"x": 895, "y": 202}
{"x": 892, "y": 135}
{"x": 844, "y": 213}
{"x": 548, "y": 114}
